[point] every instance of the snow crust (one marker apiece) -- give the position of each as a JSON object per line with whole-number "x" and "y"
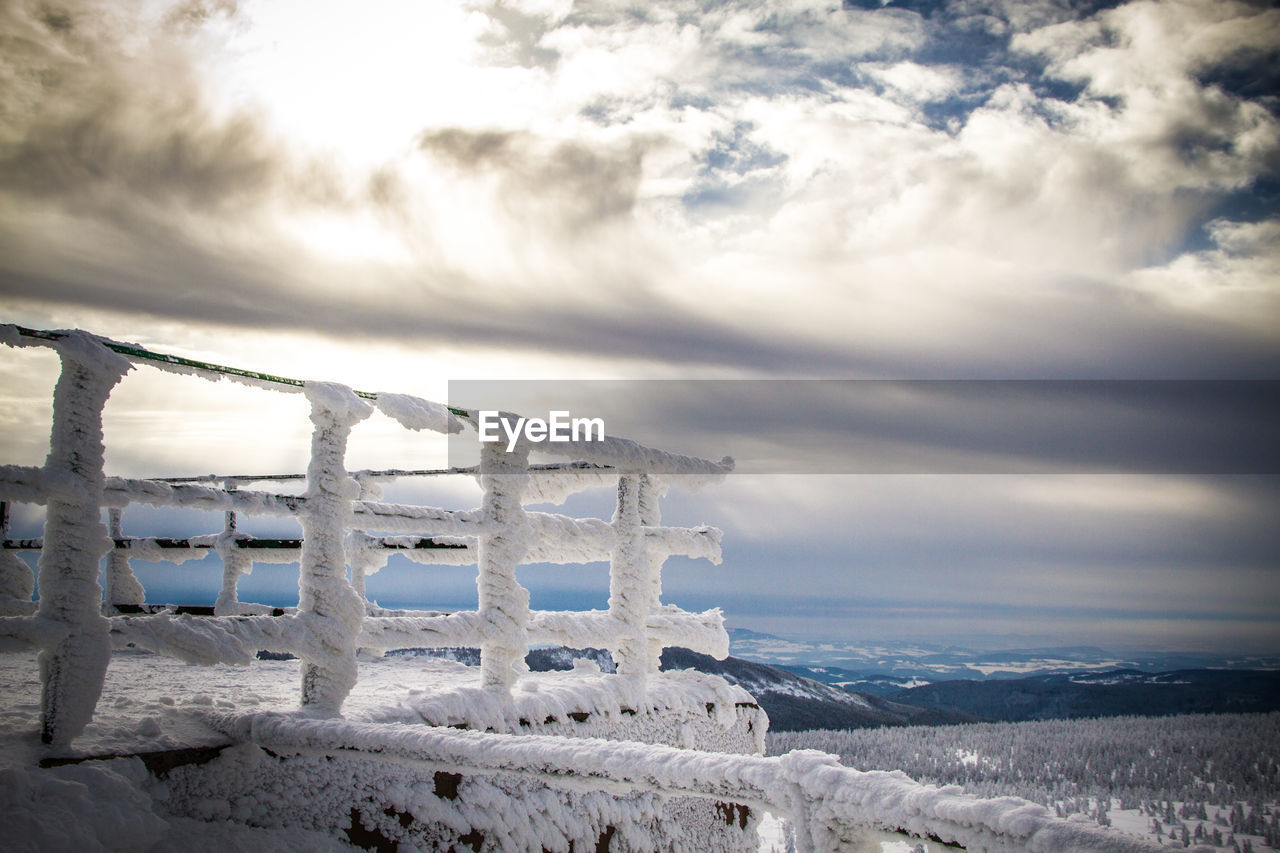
{"x": 416, "y": 413}
{"x": 409, "y": 518}
{"x": 668, "y": 625}
{"x": 831, "y": 805}
{"x": 555, "y": 486}
{"x": 624, "y": 454}
{"x": 29, "y": 484}
{"x": 20, "y": 632}
{"x": 231, "y": 640}
{"x": 121, "y": 491}
{"x": 838, "y": 801}
{"x": 311, "y": 798}
{"x": 77, "y": 807}
{"x": 401, "y": 803}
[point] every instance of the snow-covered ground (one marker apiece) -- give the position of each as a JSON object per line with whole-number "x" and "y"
{"x": 152, "y": 703}
{"x": 1213, "y": 776}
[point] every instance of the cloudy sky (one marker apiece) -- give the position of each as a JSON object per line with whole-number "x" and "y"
{"x": 398, "y": 195}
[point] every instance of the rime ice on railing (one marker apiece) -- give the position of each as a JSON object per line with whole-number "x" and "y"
{"x": 333, "y": 608}
{"x": 629, "y": 579}
{"x": 337, "y": 512}
{"x": 504, "y": 603}
{"x": 72, "y": 669}
{"x": 830, "y": 805}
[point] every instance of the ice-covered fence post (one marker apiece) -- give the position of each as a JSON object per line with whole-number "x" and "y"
{"x": 326, "y": 602}
{"x": 122, "y": 586}
{"x": 72, "y": 670}
{"x": 651, "y": 490}
{"x": 504, "y": 603}
{"x": 17, "y": 583}
{"x": 630, "y": 589}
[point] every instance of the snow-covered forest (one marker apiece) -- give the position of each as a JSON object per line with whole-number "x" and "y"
{"x": 1190, "y": 780}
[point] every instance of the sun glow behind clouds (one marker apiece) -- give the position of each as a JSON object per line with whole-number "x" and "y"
{"x": 359, "y": 80}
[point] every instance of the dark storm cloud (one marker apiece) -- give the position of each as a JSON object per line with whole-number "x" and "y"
{"x": 193, "y": 163}
{"x": 95, "y": 129}
{"x": 578, "y": 184}
{"x": 926, "y": 427}
{"x": 181, "y": 280}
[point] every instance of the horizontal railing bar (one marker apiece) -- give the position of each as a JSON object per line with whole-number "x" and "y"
{"x": 573, "y": 629}
{"x": 122, "y": 491}
{"x": 388, "y": 473}
{"x": 825, "y": 799}
{"x": 631, "y": 454}
{"x": 126, "y": 543}
{"x": 133, "y": 351}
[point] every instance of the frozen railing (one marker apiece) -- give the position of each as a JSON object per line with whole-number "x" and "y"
{"x": 336, "y": 511}
{"x": 831, "y": 807}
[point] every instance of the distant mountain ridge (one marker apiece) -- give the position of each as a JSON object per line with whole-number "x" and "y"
{"x": 795, "y": 702}
{"x": 1113, "y": 693}
{"x": 864, "y": 665}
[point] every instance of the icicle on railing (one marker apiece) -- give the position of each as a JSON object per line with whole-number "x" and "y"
{"x": 122, "y": 586}
{"x": 366, "y": 555}
{"x": 234, "y": 563}
{"x": 237, "y": 562}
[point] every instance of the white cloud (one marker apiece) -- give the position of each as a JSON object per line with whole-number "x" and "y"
{"x": 1238, "y": 280}
{"x": 916, "y": 82}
